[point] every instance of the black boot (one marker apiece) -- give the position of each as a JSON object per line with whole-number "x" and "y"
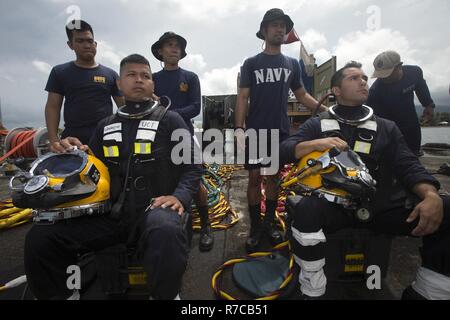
{"x": 254, "y": 237}
{"x": 410, "y": 294}
{"x": 270, "y": 228}
{"x": 206, "y": 236}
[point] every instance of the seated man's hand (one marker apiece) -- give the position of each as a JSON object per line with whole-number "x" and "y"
{"x": 66, "y": 145}
{"x": 328, "y": 143}
{"x": 168, "y": 202}
{"x": 430, "y": 212}
{"x": 56, "y": 147}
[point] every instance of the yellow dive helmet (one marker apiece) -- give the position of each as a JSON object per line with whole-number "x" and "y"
{"x": 339, "y": 177}
{"x": 62, "y": 186}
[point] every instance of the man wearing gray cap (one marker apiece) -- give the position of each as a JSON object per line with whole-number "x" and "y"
{"x": 392, "y": 96}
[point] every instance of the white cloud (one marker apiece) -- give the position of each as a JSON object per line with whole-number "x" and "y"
{"x": 106, "y": 54}
{"x": 436, "y": 70}
{"x": 194, "y": 62}
{"x": 213, "y": 10}
{"x": 220, "y": 81}
{"x": 62, "y": 1}
{"x": 313, "y": 40}
{"x": 291, "y": 50}
{"x": 220, "y": 33}
{"x": 42, "y": 66}
{"x": 363, "y": 46}
{"x": 207, "y": 10}
{"x": 322, "y": 55}
{"x": 8, "y": 78}
{"x": 324, "y": 8}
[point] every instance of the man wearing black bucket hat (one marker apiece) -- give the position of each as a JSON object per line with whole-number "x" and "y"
{"x": 266, "y": 79}
{"x": 183, "y": 89}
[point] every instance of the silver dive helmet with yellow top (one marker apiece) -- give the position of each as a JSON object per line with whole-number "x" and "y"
{"x": 338, "y": 176}
{"x": 62, "y": 186}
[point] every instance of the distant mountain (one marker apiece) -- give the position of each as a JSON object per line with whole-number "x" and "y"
{"x": 419, "y": 109}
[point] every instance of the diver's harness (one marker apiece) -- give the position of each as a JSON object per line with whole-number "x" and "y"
{"x": 143, "y": 146}
{"x": 364, "y": 139}
{"x": 358, "y": 187}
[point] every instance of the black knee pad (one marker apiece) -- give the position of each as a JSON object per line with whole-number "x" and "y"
{"x": 306, "y": 215}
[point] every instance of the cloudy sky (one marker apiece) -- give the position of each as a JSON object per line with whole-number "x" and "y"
{"x": 220, "y": 35}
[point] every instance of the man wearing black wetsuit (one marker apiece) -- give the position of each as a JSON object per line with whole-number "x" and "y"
{"x": 382, "y": 148}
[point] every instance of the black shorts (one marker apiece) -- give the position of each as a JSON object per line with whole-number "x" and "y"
{"x": 259, "y": 153}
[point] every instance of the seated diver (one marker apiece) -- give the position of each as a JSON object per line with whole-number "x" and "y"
{"x": 381, "y": 146}
{"x": 150, "y": 196}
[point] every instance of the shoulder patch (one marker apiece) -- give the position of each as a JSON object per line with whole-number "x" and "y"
{"x": 369, "y": 125}
{"x": 329, "y": 125}
{"x": 112, "y": 127}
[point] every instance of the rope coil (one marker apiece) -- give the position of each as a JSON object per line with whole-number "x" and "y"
{"x": 19, "y": 143}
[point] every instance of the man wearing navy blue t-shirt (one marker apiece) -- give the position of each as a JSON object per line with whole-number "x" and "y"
{"x": 183, "y": 89}
{"x": 266, "y": 79}
{"x": 86, "y": 87}
{"x": 392, "y": 96}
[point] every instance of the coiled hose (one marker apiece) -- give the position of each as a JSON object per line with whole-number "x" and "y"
{"x": 220, "y": 213}
{"x": 281, "y": 216}
{"x": 11, "y": 216}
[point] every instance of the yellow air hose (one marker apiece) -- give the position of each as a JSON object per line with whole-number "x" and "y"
{"x": 220, "y": 213}
{"x": 11, "y": 216}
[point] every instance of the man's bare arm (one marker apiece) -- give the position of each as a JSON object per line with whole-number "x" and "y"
{"x": 307, "y": 100}
{"x": 241, "y": 107}
{"x": 52, "y": 117}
